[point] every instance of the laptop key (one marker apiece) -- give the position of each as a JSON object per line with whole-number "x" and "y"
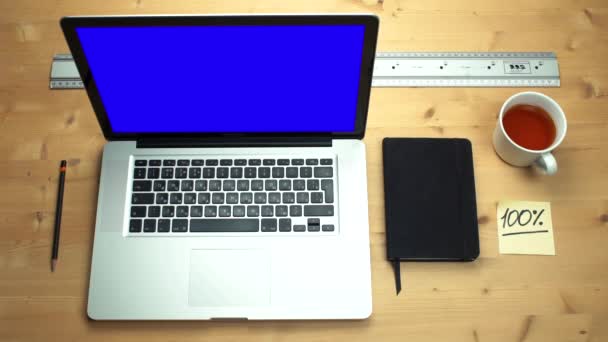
{"x": 270, "y": 185}
{"x": 257, "y": 185}
{"x": 176, "y": 198}
{"x": 250, "y": 172}
{"x": 326, "y": 161}
{"x": 312, "y": 161}
{"x": 142, "y": 198}
{"x": 268, "y": 162}
{"x": 183, "y": 162}
{"x": 196, "y": 211}
{"x": 142, "y": 185}
{"x": 327, "y": 185}
{"x": 306, "y": 172}
{"x": 217, "y": 198}
{"x": 173, "y": 185}
{"x": 312, "y": 184}
{"x": 223, "y": 172}
{"x": 236, "y": 172}
{"x": 154, "y": 211}
{"x": 264, "y": 172}
{"x": 208, "y": 172}
{"x": 181, "y": 211}
{"x": 278, "y": 172}
{"x": 149, "y": 226}
{"x": 211, "y": 162}
{"x": 162, "y": 198}
{"x": 190, "y": 198}
{"x": 154, "y": 162}
{"x": 259, "y": 198}
{"x": 135, "y": 226}
{"x": 141, "y": 162}
{"x": 302, "y": 197}
{"x": 215, "y": 185}
{"x": 168, "y": 162}
{"x": 299, "y": 228}
{"x": 283, "y": 162}
{"x": 224, "y": 225}
{"x": 139, "y": 173}
{"x": 179, "y": 225}
{"x": 160, "y": 185}
{"x": 194, "y": 172}
{"x": 228, "y": 185}
{"x": 267, "y": 211}
{"x": 168, "y": 211}
{"x": 164, "y": 225}
{"x": 211, "y": 211}
{"x": 240, "y": 162}
{"x": 318, "y": 210}
{"x": 226, "y": 162}
{"x": 299, "y": 184}
{"x": 327, "y": 228}
{"x": 181, "y": 172}
{"x": 295, "y": 210}
{"x": 232, "y": 198}
{"x": 253, "y": 211}
{"x": 274, "y": 197}
{"x": 281, "y": 210}
{"x": 187, "y": 185}
{"x": 324, "y": 172}
{"x": 285, "y": 184}
{"x": 138, "y": 211}
{"x": 316, "y": 197}
{"x": 200, "y": 185}
{"x": 204, "y": 198}
{"x": 166, "y": 173}
{"x": 198, "y": 162}
{"x": 289, "y": 197}
{"x": 255, "y": 162}
{"x": 297, "y": 162}
{"x": 242, "y": 185}
{"x": 291, "y": 172}
{"x": 238, "y": 211}
{"x": 269, "y": 225}
{"x": 224, "y": 211}
{"x": 246, "y": 198}
{"x": 153, "y": 173}
{"x": 284, "y": 225}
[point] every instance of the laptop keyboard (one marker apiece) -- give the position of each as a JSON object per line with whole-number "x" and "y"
{"x": 242, "y": 195}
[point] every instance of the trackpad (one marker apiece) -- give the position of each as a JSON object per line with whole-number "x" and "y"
{"x": 229, "y": 277}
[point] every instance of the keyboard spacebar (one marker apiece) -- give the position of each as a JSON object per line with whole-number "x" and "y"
{"x": 224, "y": 225}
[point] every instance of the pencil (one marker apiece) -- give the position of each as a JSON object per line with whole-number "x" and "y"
{"x": 55, "y": 254}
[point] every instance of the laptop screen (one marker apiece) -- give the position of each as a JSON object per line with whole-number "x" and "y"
{"x": 227, "y": 79}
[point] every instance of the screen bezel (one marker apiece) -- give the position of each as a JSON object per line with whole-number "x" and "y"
{"x": 69, "y": 25}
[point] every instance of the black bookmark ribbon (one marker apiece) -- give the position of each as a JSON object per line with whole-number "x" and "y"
{"x": 397, "y": 271}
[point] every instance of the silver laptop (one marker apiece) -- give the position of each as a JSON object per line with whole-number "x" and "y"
{"x": 233, "y": 185}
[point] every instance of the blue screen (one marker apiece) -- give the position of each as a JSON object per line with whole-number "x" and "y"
{"x": 222, "y": 79}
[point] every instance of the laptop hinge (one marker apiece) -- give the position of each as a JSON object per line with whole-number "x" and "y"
{"x": 233, "y": 142}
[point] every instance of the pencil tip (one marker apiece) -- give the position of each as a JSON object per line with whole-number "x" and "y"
{"x": 53, "y": 265}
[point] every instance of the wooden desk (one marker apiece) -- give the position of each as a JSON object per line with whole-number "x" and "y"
{"x": 496, "y": 298}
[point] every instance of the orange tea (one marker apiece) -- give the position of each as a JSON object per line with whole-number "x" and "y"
{"x": 529, "y": 126}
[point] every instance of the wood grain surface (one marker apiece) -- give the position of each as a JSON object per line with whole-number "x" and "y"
{"x": 496, "y": 298}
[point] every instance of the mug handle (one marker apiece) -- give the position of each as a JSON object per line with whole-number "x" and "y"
{"x": 546, "y": 164}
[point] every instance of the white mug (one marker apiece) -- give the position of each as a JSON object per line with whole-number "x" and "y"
{"x": 517, "y": 155}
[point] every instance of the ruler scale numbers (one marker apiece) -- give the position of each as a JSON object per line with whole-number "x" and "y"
{"x": 416, "y": 69}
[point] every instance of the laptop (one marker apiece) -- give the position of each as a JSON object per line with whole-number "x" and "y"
{"x": 233, "y": 184}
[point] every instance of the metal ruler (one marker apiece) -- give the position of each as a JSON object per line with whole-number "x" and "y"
{"x": 416, "y": 69}
{"x": 466, "y": 69}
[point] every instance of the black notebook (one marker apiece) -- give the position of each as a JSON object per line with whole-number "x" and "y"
{"x": 431, "y": 211}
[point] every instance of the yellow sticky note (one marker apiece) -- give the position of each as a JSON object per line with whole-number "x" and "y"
{"x": 525, "y": 228}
